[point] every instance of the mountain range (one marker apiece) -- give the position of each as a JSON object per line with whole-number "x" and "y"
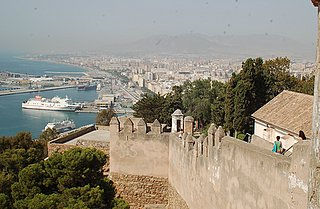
{"x": 218, "y": 46}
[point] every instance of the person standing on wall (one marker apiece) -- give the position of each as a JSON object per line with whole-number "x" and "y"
{"x": 277, "y": 146}
{"x": 302, "y": 135}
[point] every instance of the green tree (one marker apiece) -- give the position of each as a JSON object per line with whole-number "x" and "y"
{"x": 204, "y": 100}
{"x": 246, "y": 93}
{"x": 229, "y": 103}
{"x": 196, "y": 100}
{"x": 278, "y": 77}
{"x": 4, "y": 201}
{"x": 218, "y": 94}
{"x": 150, "y": 107}
{"x": 49, "y": 134}
{"x": 173, "y": 101}
{"x": 40, "y": 201}
{"x": 254, "y": 86}
{"x": 305, "y": 85}
{"x": 6, "y": 180}
{"x": 16, "y": 153}
{"x": 23, "y": 140}
{"x": 104, "y": 117}
{"x": 119, "y": 204}
{"x": 14, "y": 160}
{"x": 241, "y": 117}
{"x": 31, "y": 182}
{"x": 73, "y": 179}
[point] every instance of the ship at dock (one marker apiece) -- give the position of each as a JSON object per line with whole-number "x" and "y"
{"x": 87, "y": 87}
{"x": 61, "y": 126}
{"x": 55, "y": 104}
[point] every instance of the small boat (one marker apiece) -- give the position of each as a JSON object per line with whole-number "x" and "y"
{"x": 61, "y": 126}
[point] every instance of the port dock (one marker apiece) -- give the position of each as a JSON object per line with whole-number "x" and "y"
{"x": 24, "y": 91}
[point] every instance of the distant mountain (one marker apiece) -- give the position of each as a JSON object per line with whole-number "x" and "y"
{"x": 218, "y": 46}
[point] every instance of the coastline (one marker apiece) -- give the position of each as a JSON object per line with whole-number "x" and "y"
{"x": 15, "y": 119}
{"x": 53, "y": 62}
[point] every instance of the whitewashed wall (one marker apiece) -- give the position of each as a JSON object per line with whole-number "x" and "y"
{"x": 270, "y": 133}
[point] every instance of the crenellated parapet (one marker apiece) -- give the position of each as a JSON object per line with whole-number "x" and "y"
{"x": 188, "y": 125}
{"x": 156, "y": 127}
{"x": 203, "y": 145}
{"x": 114, "y": 125}
{"x": 135, "y": 127}
{"x": 206, "y": 172}
{"x": 137, "y": 147}
{"x": 211, "y": 172}
{"x": 211, "y": 135}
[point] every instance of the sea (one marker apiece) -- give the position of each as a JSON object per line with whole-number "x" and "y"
{"x": 14, "y": 119}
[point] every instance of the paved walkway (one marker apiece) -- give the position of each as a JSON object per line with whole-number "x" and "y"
{"x": 97, "y": 135}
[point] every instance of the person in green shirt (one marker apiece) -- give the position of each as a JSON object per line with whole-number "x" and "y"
{"x": 277, "y": 146}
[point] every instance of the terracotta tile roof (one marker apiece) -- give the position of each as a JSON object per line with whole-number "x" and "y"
{"x": 290, "y": 111}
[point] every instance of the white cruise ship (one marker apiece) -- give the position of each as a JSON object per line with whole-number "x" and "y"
{"x": 56, "y": 103}
{"x": 61, "y": 126}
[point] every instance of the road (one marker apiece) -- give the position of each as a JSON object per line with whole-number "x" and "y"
{"x": 134, "y": 97}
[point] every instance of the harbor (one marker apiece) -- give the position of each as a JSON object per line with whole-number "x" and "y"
{"x": 15, "y": 119}
{"x": 92, "y": 109}
{"x": 40, "y": 82}
{"x": 22, "y": 79}
{"x": 24, "y": 91}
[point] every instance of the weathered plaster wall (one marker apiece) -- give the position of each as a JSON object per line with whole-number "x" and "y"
{"x": 100, "y": 127}
{"x": 259, "y": 129}
{"x": 140, "y": 154}
{"x": 269, "y": 134}
{"x": 236, "y": 175}
{"x": 213, "y": 172}
{"x": 260, "y": 142}
{"x": 139, "y": 162}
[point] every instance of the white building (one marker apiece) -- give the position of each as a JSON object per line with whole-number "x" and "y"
{"x": 105, "y": 100}
{"x": 141, "y": 82}
{"x": 284, "y": 116}
{"x": 177, "y": 121}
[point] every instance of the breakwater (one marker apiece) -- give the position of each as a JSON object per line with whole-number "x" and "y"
{"x": 23, "y": 91}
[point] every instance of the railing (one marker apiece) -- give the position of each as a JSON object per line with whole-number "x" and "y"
{"x": 290, "y": 148}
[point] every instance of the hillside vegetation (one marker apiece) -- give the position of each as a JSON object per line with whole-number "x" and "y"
{"x": 231, "y": 104}
{"x": 72, "y": 180}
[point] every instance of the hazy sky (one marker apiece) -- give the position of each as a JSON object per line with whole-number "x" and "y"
{"x": 46, "y": 25}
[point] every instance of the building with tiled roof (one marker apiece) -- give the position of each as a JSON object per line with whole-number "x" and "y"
{"x": 284, "y": 116}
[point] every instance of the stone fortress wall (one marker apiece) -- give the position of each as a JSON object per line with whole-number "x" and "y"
{"x": 217, "y": 172}
{"x": 139, "y": 162}
{"x": 155, "y": 169}
{"x": 178, "y": 171}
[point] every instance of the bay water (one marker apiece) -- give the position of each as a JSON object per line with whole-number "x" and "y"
{"x": 14, "y": 119}
{"x": 15, "y": 64}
